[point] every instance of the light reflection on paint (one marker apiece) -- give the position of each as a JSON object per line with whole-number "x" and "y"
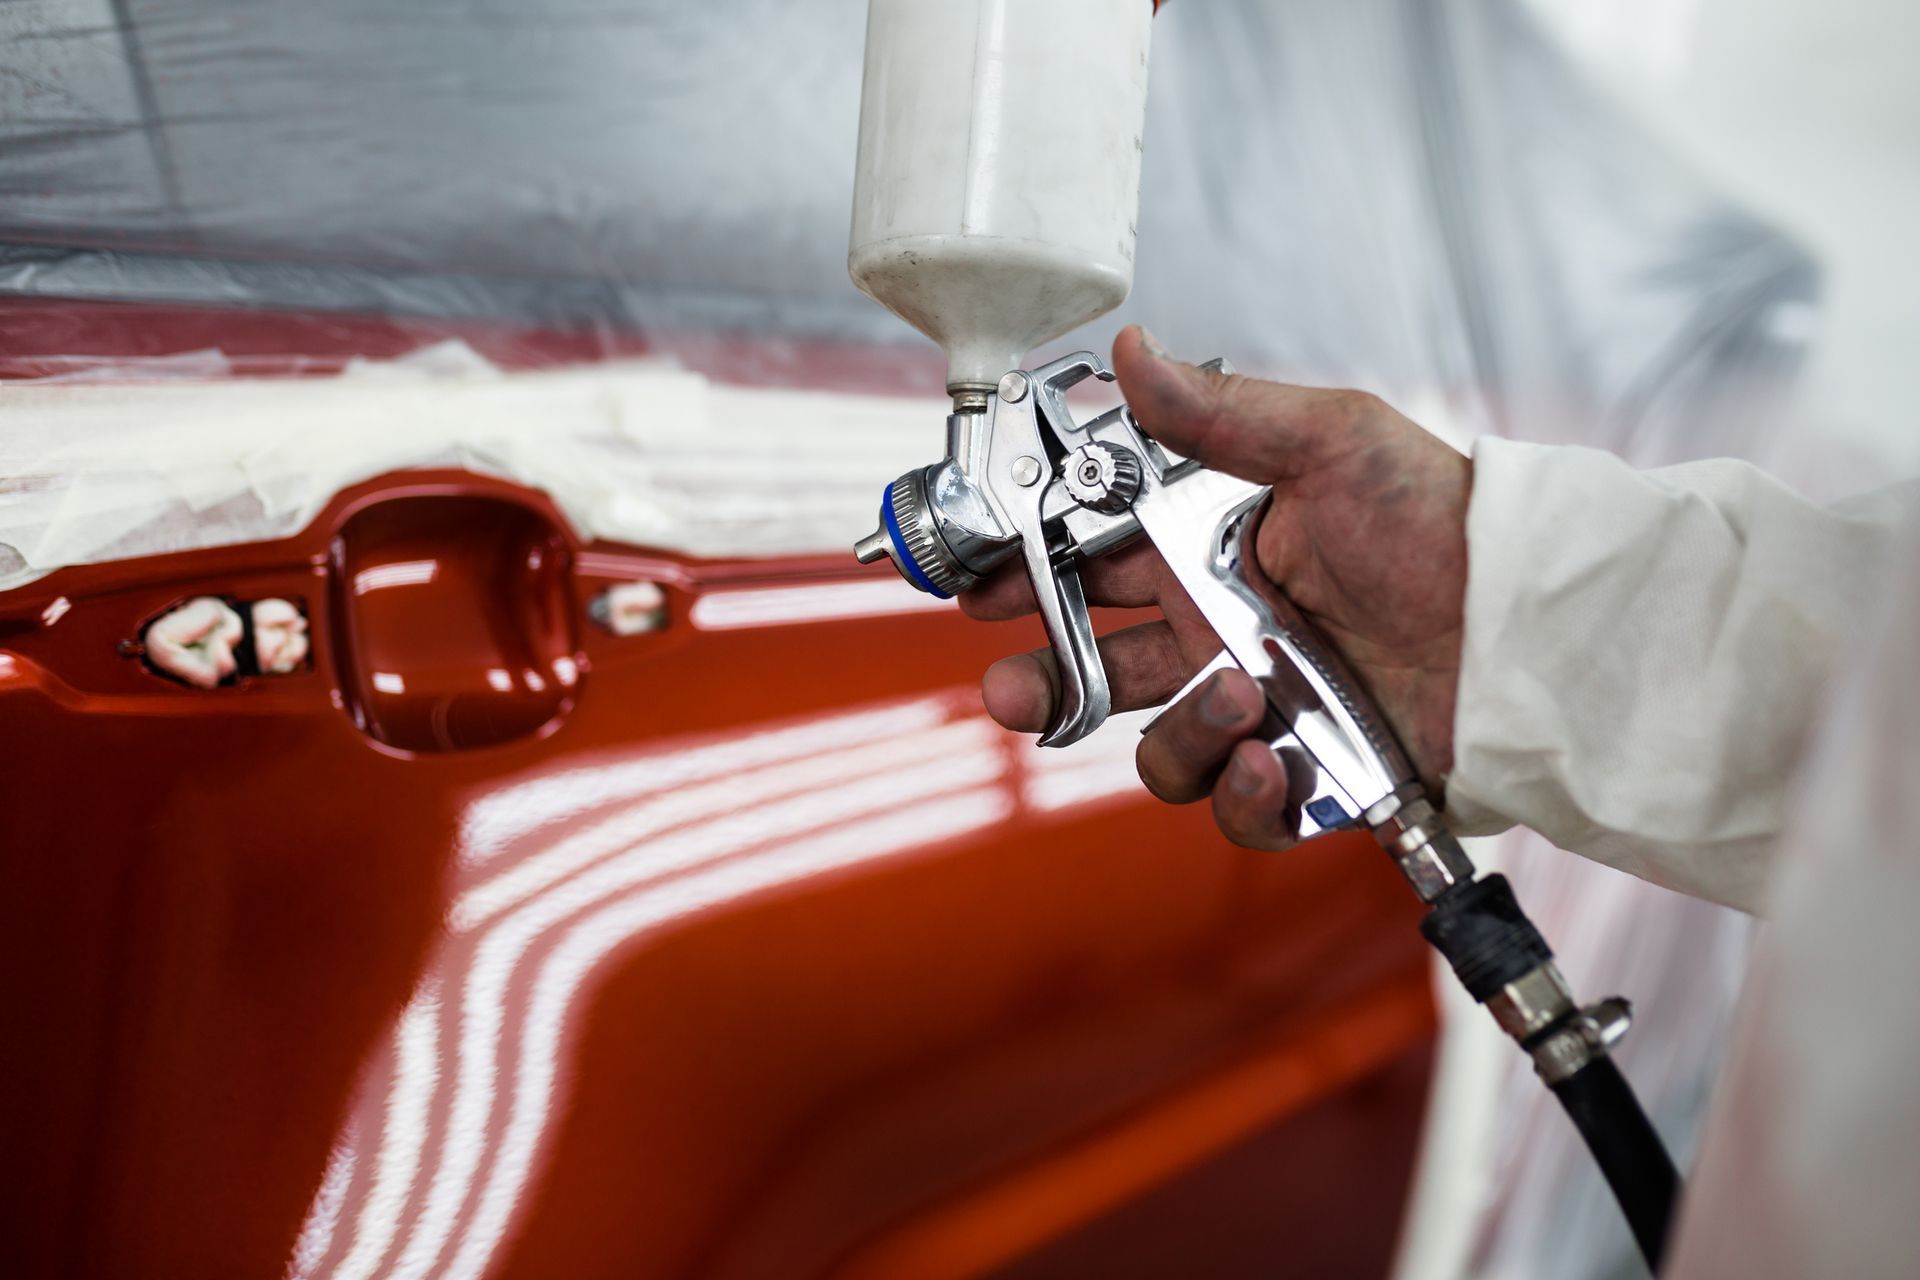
{"x": 416, "y": 1071}
{"x": 497, "y": 955}
{"x": 495, "y": 821}
{"x": 55, "y": 611}
{"x": 639, "y": 821}
{"x": 773, "y": 606}
{"x": 401, "y": 573}
{"x": 567, "y": 969}
{"x": 562, "y": 872}
{"x": 311, "y": 1248}
{"x": 389, "y": 682}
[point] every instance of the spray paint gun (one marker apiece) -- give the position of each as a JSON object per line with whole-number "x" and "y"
{"x": 993, "y": 210}
{"x": 1022, "y": 478}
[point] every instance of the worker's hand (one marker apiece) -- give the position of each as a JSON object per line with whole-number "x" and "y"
{"x": 1366, "y": 533}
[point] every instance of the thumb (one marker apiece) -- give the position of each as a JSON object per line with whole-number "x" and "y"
{"x": 1260, "y": 431}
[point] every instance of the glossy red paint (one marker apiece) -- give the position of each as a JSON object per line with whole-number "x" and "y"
{"x": 454, "y": 625}
{"x": 756, "y": 952}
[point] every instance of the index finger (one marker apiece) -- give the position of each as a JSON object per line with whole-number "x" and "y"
{"x": 1130, "y": 578}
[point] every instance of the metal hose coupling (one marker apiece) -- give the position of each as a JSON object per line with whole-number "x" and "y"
{"x": 1504, "y": 963}
{"x": 1577, "y": 1039}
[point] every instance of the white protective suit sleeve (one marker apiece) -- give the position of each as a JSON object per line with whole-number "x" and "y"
{"x": 1810, "y": 1166}
{"x": 1645, "y": 654}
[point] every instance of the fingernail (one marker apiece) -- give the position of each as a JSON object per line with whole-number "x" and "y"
{"x": 1241, "y": 778}
{"x": 1152, "y": 344}
{"x": 1218, "y": 707}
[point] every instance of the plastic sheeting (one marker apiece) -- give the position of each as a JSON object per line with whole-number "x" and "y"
{"x": 1412, "y": 194}
{"x": 631, "y": 161}
{"x": 1417, "y": 196}
{"x": 640, "y": 454}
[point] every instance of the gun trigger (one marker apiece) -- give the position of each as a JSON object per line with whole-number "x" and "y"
{"x": 1085, "y": 699}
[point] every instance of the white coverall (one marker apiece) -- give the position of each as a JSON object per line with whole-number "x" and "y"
{"x": 1694, "y": 675}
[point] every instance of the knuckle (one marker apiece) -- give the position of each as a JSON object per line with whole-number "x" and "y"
{"x": 1165, "y": 646}
{"x": 1339, "y": 420}
{"x": 1358, "y": 406}
{"x": 1346, "y": 410}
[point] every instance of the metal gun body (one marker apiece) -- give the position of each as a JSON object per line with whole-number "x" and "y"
{"x": 1023, "y": 477}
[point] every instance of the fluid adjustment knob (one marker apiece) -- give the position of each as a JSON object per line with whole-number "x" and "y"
{"x": 1102, "y": 477}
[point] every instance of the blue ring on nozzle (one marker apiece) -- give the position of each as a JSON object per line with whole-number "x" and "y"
{"x": 907, "y": 562}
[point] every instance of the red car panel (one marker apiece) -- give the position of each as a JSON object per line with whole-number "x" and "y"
{"x": 493, "y": 943}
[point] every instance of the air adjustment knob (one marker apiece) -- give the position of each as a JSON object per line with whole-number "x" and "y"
{"x": 1102, "y": 477}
